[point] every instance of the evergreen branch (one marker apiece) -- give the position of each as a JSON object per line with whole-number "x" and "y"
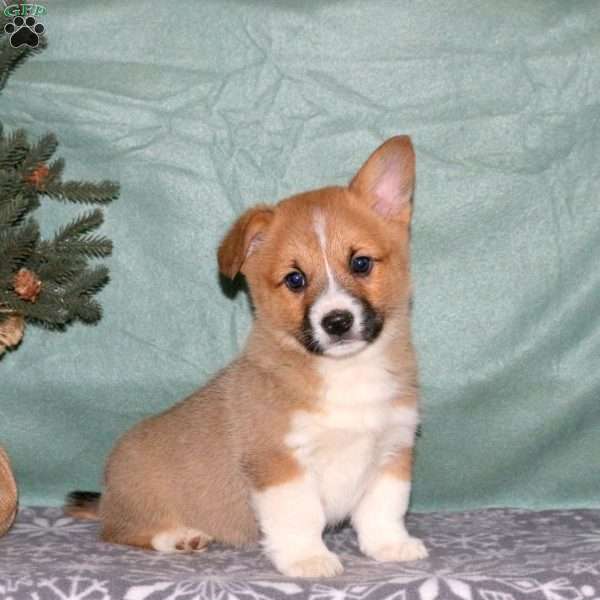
{"x": 56, "y": 269}
{"x": 55, "y": 170}
{"x": 83, "y": 192}
{"x": 87, "y": 310}
{"x": 12, "y": 58}
{"x": 16, "y": 245}
{"x": 39, "y": 153}
{"x": 79, "y": 226}
{"x": 57, "y": 305}
{"x": 43, "y": 251}
{"x": 88, "y": 283}
{"x": 92, "y": 246}
{"x": 13, "y": 210}
{"x": 10, "y": 183}
{"x": 13, "y": 149}
{"x": 68, "y": 285}
{"x": 48, "y": 308}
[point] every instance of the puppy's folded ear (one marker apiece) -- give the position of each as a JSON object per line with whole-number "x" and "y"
{"x": 242, "y": 239}
{"x": 387, "y": 179}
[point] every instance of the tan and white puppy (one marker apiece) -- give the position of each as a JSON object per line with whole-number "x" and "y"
{"x": 315, "y": 421}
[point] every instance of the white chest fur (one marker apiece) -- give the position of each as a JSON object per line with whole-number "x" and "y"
{"x": 357, "y": 427}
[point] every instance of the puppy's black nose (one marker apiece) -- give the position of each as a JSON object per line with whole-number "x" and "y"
{"x": 337, "y": 322}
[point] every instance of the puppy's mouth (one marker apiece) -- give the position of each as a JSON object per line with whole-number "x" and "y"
{"x": 342, "y": 348}
{"x": 341, "y": 332}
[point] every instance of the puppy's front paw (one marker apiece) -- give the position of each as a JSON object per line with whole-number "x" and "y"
{"x": 403, "y": 549}
{"x": 320, "y": 565}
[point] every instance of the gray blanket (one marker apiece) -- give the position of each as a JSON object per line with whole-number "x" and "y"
{"x": 498, "y": 554}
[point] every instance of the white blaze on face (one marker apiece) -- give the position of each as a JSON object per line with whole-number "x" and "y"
{"x": 333, "y": 298}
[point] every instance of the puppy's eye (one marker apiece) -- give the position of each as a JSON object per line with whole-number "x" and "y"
{"x": 295, "y": 281}
{"x": 361, "y": 265}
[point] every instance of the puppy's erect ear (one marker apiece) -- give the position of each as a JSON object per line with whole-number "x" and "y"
{"x": 242, "y": 239}
{"x": 388, "y": 179}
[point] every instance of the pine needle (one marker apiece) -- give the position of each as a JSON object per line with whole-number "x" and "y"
{"x": 80, "y": 226}
{"x": 39, "y": 153}
{"x": 83, "y": 192}
{"x": 12, "y": 210}
{"x": 91, "y": 246}
{"x": 89, "y": 311}
{"x": 55, "y": 170}
{"x": 17, "y": 244}
{"x": 13, "y": 149}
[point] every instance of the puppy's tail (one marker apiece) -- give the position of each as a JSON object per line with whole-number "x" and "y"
{"x": 83, "y": 505}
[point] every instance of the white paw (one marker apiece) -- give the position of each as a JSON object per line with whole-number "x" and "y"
{"x": 404, "y": 549}
{"x": 320, "y": 565}
{"x": 181, "y": 539}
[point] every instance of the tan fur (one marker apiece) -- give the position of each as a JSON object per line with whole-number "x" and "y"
{"x": 273, "y": 468}
{"x": 193, "y": 465}
{"x": 238, "y": 244}
{"x": 196, "y": 464}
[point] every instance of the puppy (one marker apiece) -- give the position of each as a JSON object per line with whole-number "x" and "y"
{"x": 315, "y": 421}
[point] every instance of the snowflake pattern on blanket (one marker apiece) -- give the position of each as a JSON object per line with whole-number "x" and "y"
{"x": 498, "y": 554}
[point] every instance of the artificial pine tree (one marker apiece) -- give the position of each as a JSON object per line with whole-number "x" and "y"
{"x": 49, "y": 282}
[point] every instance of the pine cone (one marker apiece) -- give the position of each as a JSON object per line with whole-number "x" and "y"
{"x": 11, "y": 331}
{"x": 8, "y": 493}
{"x": 27, "y": 285}
{"x": 37, "y": 178}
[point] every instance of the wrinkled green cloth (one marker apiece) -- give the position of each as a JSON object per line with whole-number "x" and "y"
{"x": 201, "y": 109}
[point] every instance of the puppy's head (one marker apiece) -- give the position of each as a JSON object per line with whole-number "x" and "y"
{"x": 328, "y": 269}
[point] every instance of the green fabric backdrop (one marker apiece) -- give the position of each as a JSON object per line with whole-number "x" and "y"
{"x": 200, "y": 109}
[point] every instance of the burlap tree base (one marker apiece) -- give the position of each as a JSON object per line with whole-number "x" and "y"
{"x": 11, "y": 331}
{"x": 8, "y": 493}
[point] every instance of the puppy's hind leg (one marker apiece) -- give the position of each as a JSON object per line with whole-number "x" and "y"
{"x": 180, "y": 539}
{"x": 150, "y": 525}
{"x": 166, "y": 538}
